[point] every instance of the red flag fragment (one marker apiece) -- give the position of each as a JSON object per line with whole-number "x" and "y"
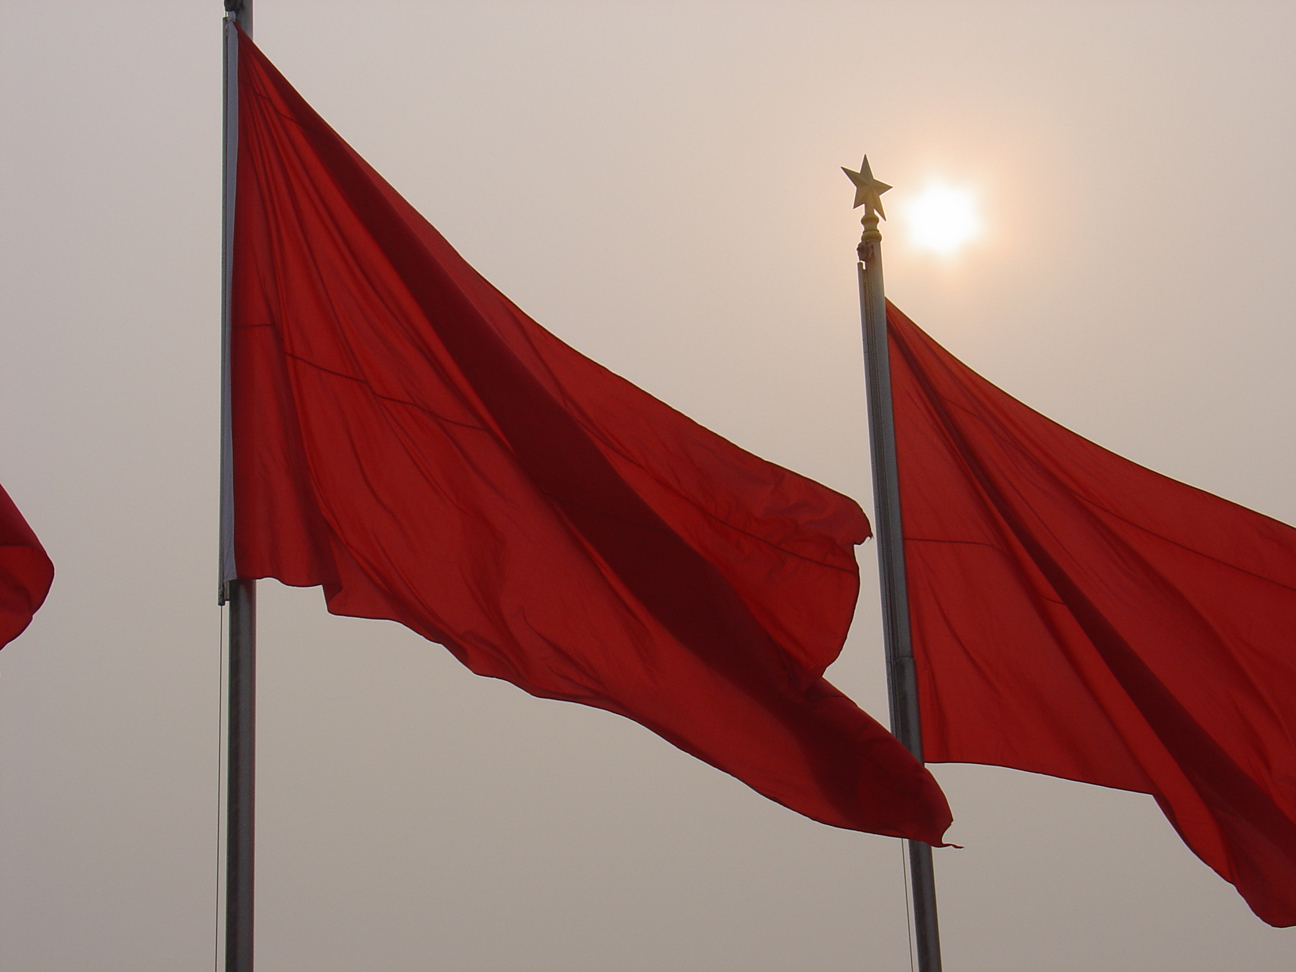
{"x": 25, "y": 571}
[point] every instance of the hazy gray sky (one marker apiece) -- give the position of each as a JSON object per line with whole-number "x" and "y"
{"x": 659, "y": 184}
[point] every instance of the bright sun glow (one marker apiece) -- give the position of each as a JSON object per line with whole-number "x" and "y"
{"x": 943, "y": 219}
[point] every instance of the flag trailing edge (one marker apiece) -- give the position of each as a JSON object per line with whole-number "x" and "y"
{"x": 404, "y": 436}
{"x": 26, "y": 572}
{"x": 1078, "y": 615}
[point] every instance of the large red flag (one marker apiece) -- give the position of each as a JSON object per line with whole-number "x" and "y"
{"x": 25, "y": 571}
{"x": 410, "y": 440}
{"x": 1078, "y": 615}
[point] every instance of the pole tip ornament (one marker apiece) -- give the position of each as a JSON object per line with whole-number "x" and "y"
{"x": 868, "y": 191}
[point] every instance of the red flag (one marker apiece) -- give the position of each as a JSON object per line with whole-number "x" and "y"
{"x": 410, "y": 440}
{"x": 25, "y": 572}
{"x": 1078, "y": 615}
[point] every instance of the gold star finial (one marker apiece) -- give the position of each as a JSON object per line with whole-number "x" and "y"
{"x": 868, "y": 191}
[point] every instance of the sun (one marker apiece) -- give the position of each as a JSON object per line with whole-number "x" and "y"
{"x": 942, "y": 219}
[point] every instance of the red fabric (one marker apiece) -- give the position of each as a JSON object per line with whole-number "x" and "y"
{"x": 25, "y": 571}
{"x": 1078, "y": 615}
{"x": 410, "y": 440}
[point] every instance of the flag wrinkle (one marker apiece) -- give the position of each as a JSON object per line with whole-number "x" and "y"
{"x": 1188, "y": 548}
{"x": 478, "y": 427}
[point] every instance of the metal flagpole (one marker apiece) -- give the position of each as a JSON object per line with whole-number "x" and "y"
{"x": 901, "y": 680}
{"x": 239, "y": 593}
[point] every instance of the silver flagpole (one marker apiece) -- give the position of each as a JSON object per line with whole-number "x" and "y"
{"x": 901, "y": 680}
{"x": 239, "y": 593}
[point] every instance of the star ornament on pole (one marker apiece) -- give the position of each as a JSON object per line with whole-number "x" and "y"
{"x": 868, "y": 191}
